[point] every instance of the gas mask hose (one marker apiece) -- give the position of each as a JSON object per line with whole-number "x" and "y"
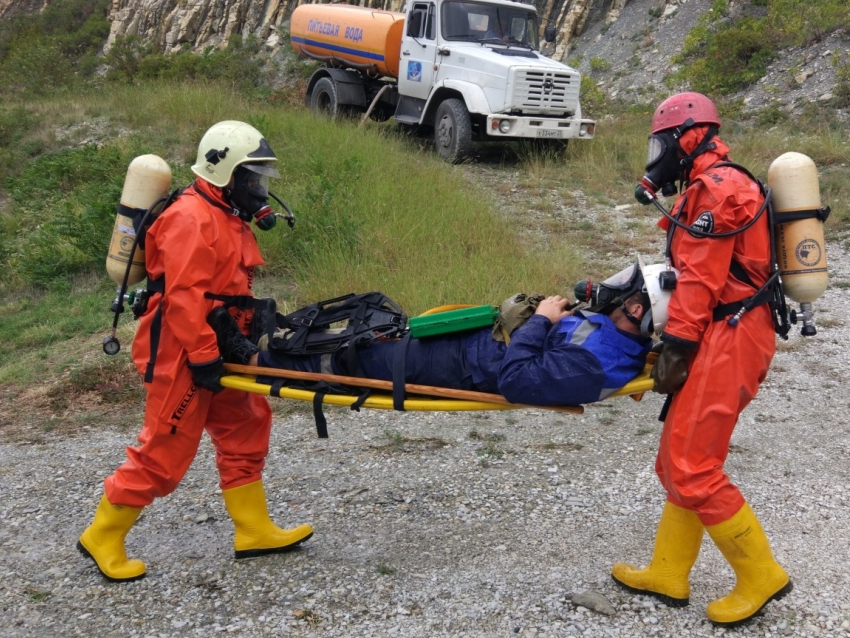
{"x": 289, "y": 217}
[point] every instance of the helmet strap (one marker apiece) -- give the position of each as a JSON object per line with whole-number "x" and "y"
{"x": 705, "y": 145}
{"x": 646, "y": 327}
{"x": 622, "y": 306}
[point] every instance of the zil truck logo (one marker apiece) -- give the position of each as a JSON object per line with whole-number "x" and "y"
{"x": 414, "y": 71}
{"x": 548, "y": 85}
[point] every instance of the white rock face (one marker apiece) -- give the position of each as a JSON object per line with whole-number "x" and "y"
{"x": 171, "y": 24}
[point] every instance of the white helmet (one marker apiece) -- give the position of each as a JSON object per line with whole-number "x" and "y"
{"x": 229, "y": 144}
{"x": 659, "y": 295}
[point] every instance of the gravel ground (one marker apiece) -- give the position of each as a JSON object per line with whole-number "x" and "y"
{"x": 446, "y": 524}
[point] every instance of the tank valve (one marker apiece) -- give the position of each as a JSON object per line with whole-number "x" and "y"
{"x": 808, "y": 319}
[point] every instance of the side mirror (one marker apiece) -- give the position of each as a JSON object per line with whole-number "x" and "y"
{"x": 549, "y": 33}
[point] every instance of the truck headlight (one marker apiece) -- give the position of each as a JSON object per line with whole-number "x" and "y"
{"x": 505, "y": 126}
{"x": 586, "y": 129}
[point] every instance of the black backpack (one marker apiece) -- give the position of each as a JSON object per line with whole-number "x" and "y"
{"x": 328, "y": 326}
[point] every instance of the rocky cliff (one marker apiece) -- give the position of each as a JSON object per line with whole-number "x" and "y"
{"x": 201, "y": 23}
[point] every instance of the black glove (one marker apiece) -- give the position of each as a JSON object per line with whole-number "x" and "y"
{"x": 671, "y": 370}
{"x": 208, "y": 375}
{"x": 232, "y": 344}
{"x": 264, "y": 321}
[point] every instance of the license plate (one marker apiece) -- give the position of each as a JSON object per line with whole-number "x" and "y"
{"x": 549, "y": 133}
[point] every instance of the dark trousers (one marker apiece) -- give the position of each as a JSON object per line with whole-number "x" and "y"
{"x": 438, "y": 361}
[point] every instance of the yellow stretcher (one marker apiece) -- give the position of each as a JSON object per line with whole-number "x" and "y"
{"x": 420, "y": 398}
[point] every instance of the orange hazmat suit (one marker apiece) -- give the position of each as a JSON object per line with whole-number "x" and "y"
{"x": 198, "y": 248}
{"x": 730, "y": 362}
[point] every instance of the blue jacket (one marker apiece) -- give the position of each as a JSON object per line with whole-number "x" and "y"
{"x": 580, "y": 359}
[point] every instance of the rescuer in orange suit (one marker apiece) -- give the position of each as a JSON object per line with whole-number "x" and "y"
{"x": 202, "y": 243}
{"x": 710, "y": 368}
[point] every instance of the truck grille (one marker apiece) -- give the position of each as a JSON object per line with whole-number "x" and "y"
{"x": 541, "y": 91}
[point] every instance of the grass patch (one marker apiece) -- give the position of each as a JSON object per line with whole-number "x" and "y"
{"x": 491, "y": 437}
{"x": 37, "y": 595}
{"x": 611, "y": 164}
{"x": 491, "y": 451}
{"x": 357, "y": 228}
{"x": 398, "y": 442}
{"x": 569, "y": 447}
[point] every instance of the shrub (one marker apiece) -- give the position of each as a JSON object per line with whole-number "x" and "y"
{"x": 598, "y": 65}
{"x": 591, "y": 98}
{"x": 842, "y": 87}
{"x": 723, "y": 54}
{"x": 131, "y": 60}
{"x": 52, "y": 49}
{"x": 720, "y": 55}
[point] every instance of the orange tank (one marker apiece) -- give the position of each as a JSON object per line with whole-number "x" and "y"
{"x": 366, "y": 39}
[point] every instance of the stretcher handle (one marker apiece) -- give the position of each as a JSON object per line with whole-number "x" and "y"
{"x": 378, "y": 384}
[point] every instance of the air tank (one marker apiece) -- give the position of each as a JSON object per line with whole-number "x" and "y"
{"x": 800, "y": 246}
{"x": 148, "y": 179}
{"x": 365, "y": 39}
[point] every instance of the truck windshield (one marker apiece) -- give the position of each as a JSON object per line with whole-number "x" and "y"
{"x": 490, "y": 24}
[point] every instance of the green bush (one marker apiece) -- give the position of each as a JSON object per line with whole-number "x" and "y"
{"x": 53, "y": 49}
{"x": 842, "y": 87}
{"x": 598, "y": 65}
{"x": 593, "y": 100}
{"x": 131, "y": 60}
{"x": 722, "y": 55}
{"x": 794, "y": 25}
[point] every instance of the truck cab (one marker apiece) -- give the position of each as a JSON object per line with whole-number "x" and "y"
{"x": 473, "y": 70}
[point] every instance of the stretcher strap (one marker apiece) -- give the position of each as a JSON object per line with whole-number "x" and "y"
{"x": 665, "y": 408}
{"x": 321, "y": 389}
{"x": 319, "y": 415}
{"x": 399, "y": 377}
{"x": 276, "y": 386}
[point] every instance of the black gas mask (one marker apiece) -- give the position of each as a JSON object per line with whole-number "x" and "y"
{"x": 249, "y": 194}
{"x": 612, "y": 293}
{"x": 663, "y": 165}
{"x": 666, "y": 162}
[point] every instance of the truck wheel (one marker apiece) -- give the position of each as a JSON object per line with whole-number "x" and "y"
{"x": 323, "y": 100}
{"x": 453, "y": 130}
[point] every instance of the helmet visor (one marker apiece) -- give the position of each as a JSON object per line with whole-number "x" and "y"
{"x": 263, "y": 169}
{"x": 623, "y": 280}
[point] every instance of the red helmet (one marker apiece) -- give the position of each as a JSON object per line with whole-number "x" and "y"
{"x": 679, "y": 108}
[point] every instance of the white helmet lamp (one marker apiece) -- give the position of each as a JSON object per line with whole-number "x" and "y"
{"x": 659, "y": 295}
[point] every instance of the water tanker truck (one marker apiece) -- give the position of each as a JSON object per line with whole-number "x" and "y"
{"x": 466, "y": 69}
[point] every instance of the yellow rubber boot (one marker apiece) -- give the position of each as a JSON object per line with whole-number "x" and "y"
{"x": 103, "y": 542}
{"x": 256, "y": 535}
{"x": 761, "y": 579}
{"x": 677, "y": 544}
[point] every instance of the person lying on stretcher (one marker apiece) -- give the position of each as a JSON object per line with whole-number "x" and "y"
{"x": 556, "y": 357}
